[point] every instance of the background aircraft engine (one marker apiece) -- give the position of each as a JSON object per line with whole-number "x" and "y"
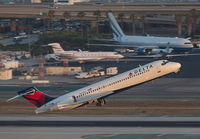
{"x": 143, "y": 51}
{"x": 69, "y": 56}
{"x": 157, "y": 51}
{"x": 100, "y": 102}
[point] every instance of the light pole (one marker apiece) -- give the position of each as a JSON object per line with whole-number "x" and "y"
{"x": 87, "y": 36}
{"x": 29, "y": 45}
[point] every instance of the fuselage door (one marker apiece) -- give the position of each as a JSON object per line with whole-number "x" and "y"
{"x": 74, "y": 98}
{"x": 158, "y": 69}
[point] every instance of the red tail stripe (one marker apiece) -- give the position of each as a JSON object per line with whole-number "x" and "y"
{"x": 39, "y": 96}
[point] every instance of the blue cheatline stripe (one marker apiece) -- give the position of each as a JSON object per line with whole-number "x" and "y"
{"x": 34, "y": 100}
{"x": 113, "y": 22}
{"x": 115, "y": 35}
{"x": 118, "y": 38}
{"x": 116, "y": 30}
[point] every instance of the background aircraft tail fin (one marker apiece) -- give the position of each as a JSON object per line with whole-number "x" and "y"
{"x": 117, "y": 32}
{"x": 56, "y": 47}
{"x": 33, "y": 95}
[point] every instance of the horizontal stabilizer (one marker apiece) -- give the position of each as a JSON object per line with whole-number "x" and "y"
{"x": 28, "y": 91}
{"x": 14, "y": 97}
{"x": 46, "y": 45}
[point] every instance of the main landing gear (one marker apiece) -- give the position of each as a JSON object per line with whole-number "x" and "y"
{"x": 100, "y": 102}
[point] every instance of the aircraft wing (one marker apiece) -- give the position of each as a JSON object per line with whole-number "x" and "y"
{"x": 88, "y": 59}
{"x": 105, "y": 40}
{"x": 124, "y": 45}
{"x": 173, "y": 55}
{"x": 93, "y": 97}
{"x": 81, "y": 60}
{"x": 168, "y": 55}
{"x": 143, "y": 56}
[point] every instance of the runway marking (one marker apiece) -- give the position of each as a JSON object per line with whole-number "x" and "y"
{"x": 161, "y": 135}
{"x": 58, "y": 115}
{"x": 100, "y": 136}
{"x": 165, "y": 116}
{"x": 6, "y": 85}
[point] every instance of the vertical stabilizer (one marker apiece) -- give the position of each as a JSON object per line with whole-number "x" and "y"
{"x": 117, "y": 32}
{"x": 56, "y": 48}
{"x": 33, "y": 95}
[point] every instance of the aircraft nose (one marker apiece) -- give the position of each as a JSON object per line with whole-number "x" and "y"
{"x": 121, "y": 56}
{"x": 177, "y": 65}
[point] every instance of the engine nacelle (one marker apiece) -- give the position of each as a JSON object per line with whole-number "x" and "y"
{"x": 157, "y": 51}
{"x": 143, "y": 51}
{"x": 68, "y": 56}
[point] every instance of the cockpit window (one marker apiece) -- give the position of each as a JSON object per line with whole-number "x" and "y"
{"x": 116, "y": 53}
{"x": 164, "y": 62}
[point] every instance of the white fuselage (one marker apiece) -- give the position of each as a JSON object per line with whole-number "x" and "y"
{"x": 91, "y": 55}
{"x": 83, "y": 55}
{"x": 114, "y": 84}
{"x": 178, "y": 44}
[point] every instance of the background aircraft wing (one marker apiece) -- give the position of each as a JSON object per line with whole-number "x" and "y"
{"x": 173, "y": 55}
{"x": 82, "y": 60}
{"x": 88, "y": 59}
{"x": 105, "y": 40}
{"x": 143, "y": 56}
{"x": 124, "y": 45}
{"x": 162, "y": 55}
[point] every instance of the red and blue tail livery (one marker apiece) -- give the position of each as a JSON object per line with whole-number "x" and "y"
{"x": 33, "y": 95}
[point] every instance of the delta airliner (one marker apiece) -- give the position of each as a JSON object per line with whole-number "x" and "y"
{"x": 97, "y": 92}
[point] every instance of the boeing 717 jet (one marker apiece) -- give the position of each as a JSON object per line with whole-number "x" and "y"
{"x": 97, "y": 92}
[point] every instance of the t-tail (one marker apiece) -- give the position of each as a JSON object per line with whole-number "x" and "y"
{"x": 56, "y": 47}
{"x": 117, "y": 31}
{"x": 33, "y": 95}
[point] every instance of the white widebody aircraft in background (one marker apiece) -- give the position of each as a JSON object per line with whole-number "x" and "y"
{"x": 167, "y": 52}
{"x": 143, "y": 43}
{"x": 97, "y": 92}
{"x": 83, "y": 56}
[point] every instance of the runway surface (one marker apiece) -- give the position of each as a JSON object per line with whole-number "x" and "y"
{"x": 100, "y": 123}
{"x": 48, "y": 126}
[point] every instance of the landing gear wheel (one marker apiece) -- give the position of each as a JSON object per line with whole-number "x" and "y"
{"x": 101, "y": 102}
